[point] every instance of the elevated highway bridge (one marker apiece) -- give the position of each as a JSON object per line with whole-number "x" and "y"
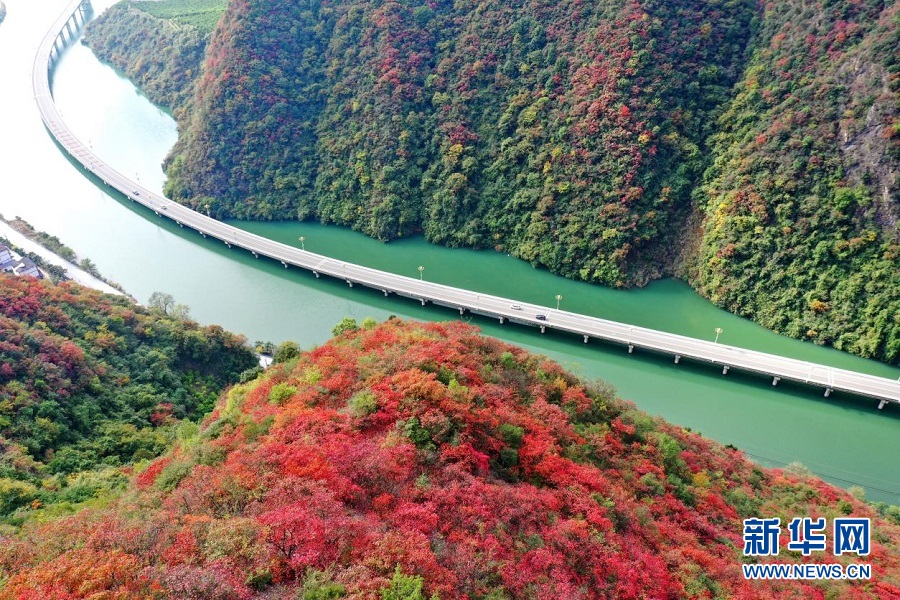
{"x": 777, "y": 368}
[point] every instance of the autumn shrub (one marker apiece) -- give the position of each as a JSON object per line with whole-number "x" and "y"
{"x": 522, "y": 484}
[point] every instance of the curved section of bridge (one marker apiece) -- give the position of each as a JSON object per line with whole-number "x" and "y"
{"x": 728, "y": 357}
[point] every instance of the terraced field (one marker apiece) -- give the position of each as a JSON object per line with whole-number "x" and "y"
{"x": 202, "y": 14}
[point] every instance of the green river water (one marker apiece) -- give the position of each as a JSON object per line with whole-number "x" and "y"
{"x": 845, "y": 440}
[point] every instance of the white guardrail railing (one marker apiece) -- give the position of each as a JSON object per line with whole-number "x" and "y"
{"x": 729, "y": 357}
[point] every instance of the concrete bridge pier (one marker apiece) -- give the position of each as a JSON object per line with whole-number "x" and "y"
{"x": 385, "y": 293}
{"x": 828, "y": 392}
{"x": 501, "y": 320}
{"x": 461, "y": 309}
{"x": 775, "y": 380}
{"x": 677, "y": 358}
{"x": 881, "y": 404}
{"x": 84, "y": 11}
{"x": 725, "y": 370}
{"x": 350, "y": 283}
{"x": 70, "y": 30}
{"x": 630, "y": 348}
{"x": 543, "y": 328}
{"x": 284, "y": 263}
{"x": 585, "y": 339}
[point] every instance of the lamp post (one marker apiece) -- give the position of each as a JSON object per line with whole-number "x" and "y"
{"x": 718, "y": 331}
{"x": 421, "y": 268}
{"x": 302, "y": 245}
{"x": 558, "y": 298}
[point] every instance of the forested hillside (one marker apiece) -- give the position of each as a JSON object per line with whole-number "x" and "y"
{"x": 802, "y": 207}
{"x": 568, "y": 134}
{"x": 423, "y": 460}
{"x": 91, "y": 382}
{"x": 749, "y": 148}
{"x": 163, "y": 56}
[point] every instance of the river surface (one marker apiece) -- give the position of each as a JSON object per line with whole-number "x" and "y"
{"x": 845, "y": 440}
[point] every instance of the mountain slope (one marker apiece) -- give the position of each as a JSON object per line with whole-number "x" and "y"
{"x": 163, "y": 57}
{"x": 506, "y": 125}
{"x": 751, "y": 149}
{"x": 428, "y": 457}
{"x": 89, "y": 381}
{"x": 801, "y": 229}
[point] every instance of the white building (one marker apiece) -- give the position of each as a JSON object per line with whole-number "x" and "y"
{"x": 11, "y": 262}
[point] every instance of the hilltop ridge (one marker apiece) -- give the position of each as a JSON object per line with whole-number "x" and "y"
{"x": 429, "y": 458}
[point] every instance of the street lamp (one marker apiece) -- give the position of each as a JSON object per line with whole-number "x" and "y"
{"x": 302, "y": 245}
{"x": 718, "y": 331}
{"x": 558, "y": 298}
{"x": 421, "y": 268}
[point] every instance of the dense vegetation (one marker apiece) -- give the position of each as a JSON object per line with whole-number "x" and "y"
{"x": 162, "y": 56}
{"x": 801, "y": 204}
{"x": 545, "y": 129}
{"x": 429, "y": 459}
{"x": 90, "y": 381}
{"x": 751, "y": 148}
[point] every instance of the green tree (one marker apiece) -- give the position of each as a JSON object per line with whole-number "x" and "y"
{"x": 404, "y": 587}
{"x": 346, "y": 324}
{"x": 286, "y": 351}
{"x": 161, "y": 302}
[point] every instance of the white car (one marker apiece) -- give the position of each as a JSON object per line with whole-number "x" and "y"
{"x": 515, "y": 307}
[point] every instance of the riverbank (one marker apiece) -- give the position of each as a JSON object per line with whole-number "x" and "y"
{"x": 848, "y": 443}
{"x": 73, "y": 272}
